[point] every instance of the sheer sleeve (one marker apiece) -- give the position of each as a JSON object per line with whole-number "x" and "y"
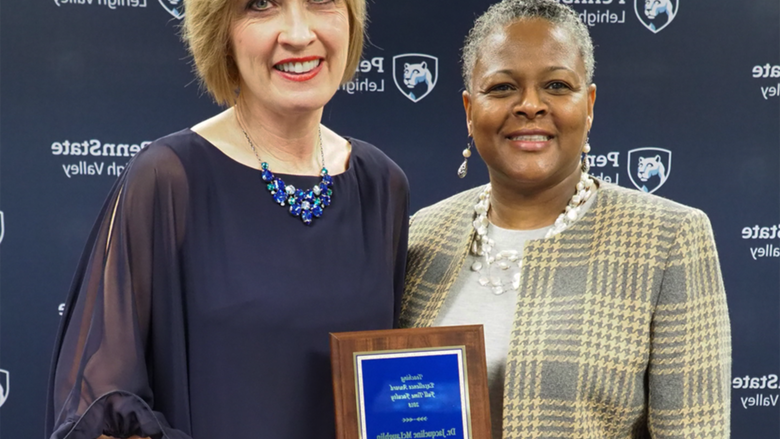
{"x": 400, "y": 185}
{"x": 122, "y": 338}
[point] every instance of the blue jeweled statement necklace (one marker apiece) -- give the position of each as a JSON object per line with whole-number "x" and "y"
{"x": 304, "y": 203}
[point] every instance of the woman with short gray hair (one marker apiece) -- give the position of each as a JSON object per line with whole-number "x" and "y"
{"x": 603, "y": 308}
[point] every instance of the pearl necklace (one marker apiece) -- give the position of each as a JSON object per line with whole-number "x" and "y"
{"x": 483, "y": 244}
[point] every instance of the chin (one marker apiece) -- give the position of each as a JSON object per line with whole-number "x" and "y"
{"x": 297, "y": 106}
{"x": 302, "y": 102}
{"x": 529, "y": 177}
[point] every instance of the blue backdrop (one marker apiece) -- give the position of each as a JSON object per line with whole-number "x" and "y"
{"x": 84, "y": 83}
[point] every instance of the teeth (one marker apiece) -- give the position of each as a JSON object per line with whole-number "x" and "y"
{"x": 298, "y": 67}
{"x": 531, "y": 138}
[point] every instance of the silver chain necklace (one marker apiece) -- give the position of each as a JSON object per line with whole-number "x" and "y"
{"x": 257, "y": 155}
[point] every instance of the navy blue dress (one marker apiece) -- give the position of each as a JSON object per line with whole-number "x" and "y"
{"x": 201, "y": 308}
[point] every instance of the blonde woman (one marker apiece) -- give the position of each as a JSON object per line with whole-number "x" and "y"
{"x": 226, "y": 252}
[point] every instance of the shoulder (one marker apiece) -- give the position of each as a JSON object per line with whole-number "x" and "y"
{"x": 165, "y": 150}
{"x": 373, "y": 157}
{"x": 634, "y": 200}
{"x": 376, "y": 163}
{"x": 161, "y": 164}
{"x": 447, "y": 221}
{"x": 632, "y": 208}
{"x": 457, "y": 205}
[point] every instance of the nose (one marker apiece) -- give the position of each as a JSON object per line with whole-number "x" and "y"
{"x": 297, "y": 31}
{"x": 530, "y": 104}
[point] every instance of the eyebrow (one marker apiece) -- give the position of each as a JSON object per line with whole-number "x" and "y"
{"x": 547, "y": 70}
{"x": 554, "y": 68}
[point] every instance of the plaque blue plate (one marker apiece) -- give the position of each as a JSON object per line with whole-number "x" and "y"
{"x": 418, "y": 393}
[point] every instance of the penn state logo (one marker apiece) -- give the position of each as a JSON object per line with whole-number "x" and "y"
{"x": 648, "y": 168}
{"x": 415, "y": 74}
{"x": 174, "y": 7}
{"x": 4, "y": 382}
{"x": 656, "y": 14}
{"x": 2, "y": 226}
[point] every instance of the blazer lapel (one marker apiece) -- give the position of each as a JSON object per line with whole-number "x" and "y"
{"x": 439, "y": 241}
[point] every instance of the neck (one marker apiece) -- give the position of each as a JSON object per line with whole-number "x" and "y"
{"x": 288, "y": 142}
{"x": 521, "y": 208}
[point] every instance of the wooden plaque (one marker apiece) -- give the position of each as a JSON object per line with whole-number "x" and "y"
{"x": 407, "y": 383}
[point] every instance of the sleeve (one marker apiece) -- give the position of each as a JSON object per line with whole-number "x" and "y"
{"x": 103, "y": 367}
{"x": 689, "y": 373}
{"x": 400, "y": 184}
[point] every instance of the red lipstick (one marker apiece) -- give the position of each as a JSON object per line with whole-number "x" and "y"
{"x": 299, "y": 77}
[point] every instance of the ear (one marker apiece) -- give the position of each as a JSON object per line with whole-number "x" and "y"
{"x": 591, "y": 104}
{"x": 424, "y": 65}
{"x": 467, "y": 107}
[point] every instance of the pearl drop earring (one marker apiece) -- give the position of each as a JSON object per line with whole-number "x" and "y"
{"x": 463, "y": 170}
{"x": 585, "y": 151}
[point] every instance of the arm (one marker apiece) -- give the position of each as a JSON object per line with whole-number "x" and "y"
{"x": 102, "y": 377}
{"x": 689, "y": 375}
{"x": 401, "y": 243}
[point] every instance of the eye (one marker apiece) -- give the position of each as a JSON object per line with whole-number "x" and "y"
{"x": 558, "y": 86}
{"x": 260, "y": 5}
{"x": 499, "y": 88}
{"x": 322, "y": 4}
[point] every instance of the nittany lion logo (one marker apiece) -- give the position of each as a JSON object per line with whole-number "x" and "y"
{"x": 656, "y": 14}
{"x": 415, "y": 74}
{"x": 174, "y": 7}
{"x": 4, "y": 383}
{"x": 648, "y": 168}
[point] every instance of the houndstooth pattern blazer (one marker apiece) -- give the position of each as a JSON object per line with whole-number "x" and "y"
{"x": 621, "y": 328}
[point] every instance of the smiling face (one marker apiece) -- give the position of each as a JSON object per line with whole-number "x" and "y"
{"x": 290, "y": 54}
{"x": 529, "y": 107}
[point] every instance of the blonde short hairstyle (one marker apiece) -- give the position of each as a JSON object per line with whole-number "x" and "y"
{"x": 206, "y": 31}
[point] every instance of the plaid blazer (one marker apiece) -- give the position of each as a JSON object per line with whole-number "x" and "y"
{"x": 621, "y": 328}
